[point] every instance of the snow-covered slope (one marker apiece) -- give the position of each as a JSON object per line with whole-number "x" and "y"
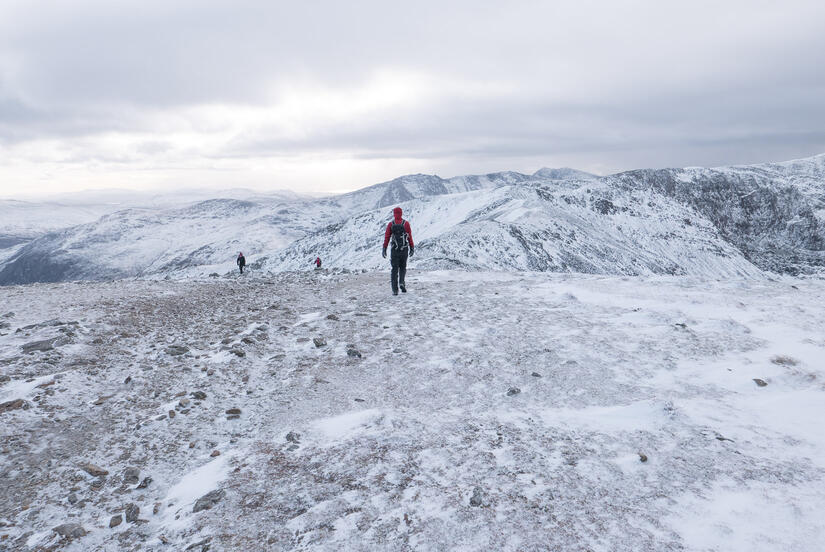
{"x": 23, "y": 221}
{"x": 204, "y": 237}
{"x": 536, "y": 227}
{"x": 140, "y": 242}
{"x": 710, "y": 222}
{"x": 480, "y": 411}
{"x": 34, "y": 217}
{"x": 773, "y": 213}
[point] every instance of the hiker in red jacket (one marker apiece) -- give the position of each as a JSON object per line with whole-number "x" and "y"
{"x": 398, "y": 232}
{"x": 317, "y": 262}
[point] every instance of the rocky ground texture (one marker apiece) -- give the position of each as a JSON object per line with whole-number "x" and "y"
{"x": 479, "y": 411}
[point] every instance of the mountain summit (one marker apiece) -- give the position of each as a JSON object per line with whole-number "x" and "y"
{"x": 719, "y": 222}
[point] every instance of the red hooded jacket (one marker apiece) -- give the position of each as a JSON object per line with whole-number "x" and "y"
{"x": 398, "y": 220}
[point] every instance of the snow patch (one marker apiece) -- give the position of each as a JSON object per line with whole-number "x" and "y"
{"x": 346, "y": 426}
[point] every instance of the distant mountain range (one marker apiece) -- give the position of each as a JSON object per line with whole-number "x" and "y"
{"x": 722, "y": 222}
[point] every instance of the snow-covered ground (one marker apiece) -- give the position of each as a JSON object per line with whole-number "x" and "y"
{"x": 480, "y": 411}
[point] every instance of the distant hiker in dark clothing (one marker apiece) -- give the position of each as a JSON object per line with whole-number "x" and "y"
{"x": 317, "y": 262}
{"x": 241, "y": 262}
{"x": 398, "y": 232}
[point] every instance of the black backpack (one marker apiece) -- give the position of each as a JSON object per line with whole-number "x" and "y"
{"x": 399, "y": 238}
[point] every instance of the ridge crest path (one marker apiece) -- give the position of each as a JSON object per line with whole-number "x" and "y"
{"x": 646, "y": 430}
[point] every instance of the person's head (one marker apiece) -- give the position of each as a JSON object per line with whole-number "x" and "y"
{"x": 240, "y": 254}
{"x": 397, "y": 213}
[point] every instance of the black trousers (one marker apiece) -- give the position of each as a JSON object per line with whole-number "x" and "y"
{"x": 240, "y": 266}
{"x": 398, "y": 260}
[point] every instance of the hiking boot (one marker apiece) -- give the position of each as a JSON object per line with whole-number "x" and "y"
{"x": 403, "y": 288}
{"x": 395, "y": 292}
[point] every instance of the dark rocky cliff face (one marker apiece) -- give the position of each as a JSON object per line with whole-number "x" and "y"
{"x": 766, "y": 214}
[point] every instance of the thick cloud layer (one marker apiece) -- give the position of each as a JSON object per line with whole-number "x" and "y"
{"x": 333, "y": 95}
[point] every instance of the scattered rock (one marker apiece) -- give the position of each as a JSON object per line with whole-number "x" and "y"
{"x": 128, "y": 379}
{"x": 183, "y": 403}
{"x": 319, "y": 342}
{"x": 233, "y": 413}
{"x": 145, "y": 483}
{"x": 332, "y": 317}
{"x": 358, "y": 400}
{"x": 177, "y": 350}
{"x": 238, "y": 352}
{"x": 783, "y": 360}
{"x": 208, "y": 500}
{"x": 353, "y": 352}
{"x": 8, "y": 315}
{"x": 94, "y": 471}
{"x": 102, "y": 399}
{"x": 215, "y": 453}
{"x": 198, "y": 395}
{"x": 605, "y": 206}
{"x": 513, "y": 391}
{"x": 536, "y": 375}
{"x": 760, "y": 382}
{"x": 132, "y": 512}
{"x": 642, "y": 457}
{"x": 115, "y": 521}
{"x": 49, "y": 324}
{"x": 203, "y": 545}
{"x": 15, "y": 404}
{"x": 293, "y": 437}
{"x": 172, "y": 413}
{"x": 478, "y": 497}
{"x": 156, "y": 508}
{"x": 131, "y": 475}
{"x": 248, "y": 340}
{"x": 4, "y": 378}
{"x": 72, "y": 498}
{"x": 42, "y": 345}
{"x": 70, "y": 530}
{"x": 681, "y": 325}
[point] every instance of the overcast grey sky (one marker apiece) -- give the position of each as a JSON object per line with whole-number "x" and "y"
{"x": 331, "y": 96}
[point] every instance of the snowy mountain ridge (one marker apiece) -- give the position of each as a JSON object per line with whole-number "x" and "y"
{"x": 739, "y": 220}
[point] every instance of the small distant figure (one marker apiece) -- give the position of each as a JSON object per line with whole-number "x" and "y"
{"x": 317, "y": 262}
{"x": 241, "y": 261}
{"x": 399, "y": 233}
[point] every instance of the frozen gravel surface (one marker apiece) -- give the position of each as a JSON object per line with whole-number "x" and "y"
{"x": 480, "y": 411}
